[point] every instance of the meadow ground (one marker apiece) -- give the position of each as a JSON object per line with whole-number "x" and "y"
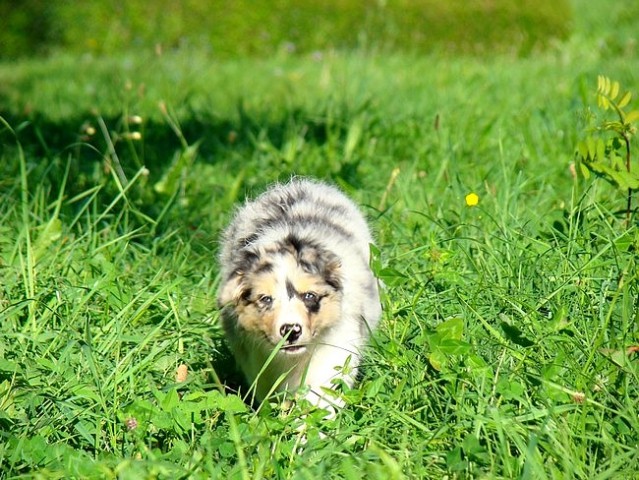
{"x": 508, "y": 347}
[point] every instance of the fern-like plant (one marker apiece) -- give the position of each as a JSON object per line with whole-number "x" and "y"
{"x": 606, "y": 152}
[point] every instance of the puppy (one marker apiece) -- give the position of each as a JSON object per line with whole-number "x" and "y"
{"x": 298, "y": 298}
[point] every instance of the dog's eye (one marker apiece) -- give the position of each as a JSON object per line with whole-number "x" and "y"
{"x": 311, "y": 300}
{"x": 309, "y": 297}
{"x": 265, "y": 300}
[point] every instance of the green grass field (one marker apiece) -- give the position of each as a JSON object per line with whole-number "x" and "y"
{"x": 508, "y": 347}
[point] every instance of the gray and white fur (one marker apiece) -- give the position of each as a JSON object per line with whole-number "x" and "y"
{"x": 295, "y": 278}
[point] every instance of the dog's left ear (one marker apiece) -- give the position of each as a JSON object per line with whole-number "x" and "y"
{"x": 332, "y": 271}
{"x": 324, "y": 263}
{"x": 232, "y": 290}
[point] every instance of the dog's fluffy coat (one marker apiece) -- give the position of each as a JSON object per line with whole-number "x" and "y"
{"x": 295, "y": 278}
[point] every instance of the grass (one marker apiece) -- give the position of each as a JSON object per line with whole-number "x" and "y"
{"x": 262, "y": 28}
{"x": 508, "y": 345}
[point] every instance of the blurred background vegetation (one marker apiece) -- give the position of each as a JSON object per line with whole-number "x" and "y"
{"x": 264, "y": 27}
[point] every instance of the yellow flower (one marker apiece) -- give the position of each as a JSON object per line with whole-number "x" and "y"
{"x": 472, "y": 199}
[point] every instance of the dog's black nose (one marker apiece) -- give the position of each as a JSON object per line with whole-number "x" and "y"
{"x": 293, "y": 330}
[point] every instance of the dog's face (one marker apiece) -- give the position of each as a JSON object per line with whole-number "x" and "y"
{"x": 285, "y": 295}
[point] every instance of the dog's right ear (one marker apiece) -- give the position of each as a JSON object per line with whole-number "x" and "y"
{"x": 232, "y": 290}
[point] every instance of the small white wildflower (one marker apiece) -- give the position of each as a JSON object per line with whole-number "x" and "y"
{"x": 135, "y": 136}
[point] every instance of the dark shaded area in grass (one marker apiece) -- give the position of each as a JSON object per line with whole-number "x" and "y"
{"x": 44, "y": 137}
{"x": 226, "y": 150}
